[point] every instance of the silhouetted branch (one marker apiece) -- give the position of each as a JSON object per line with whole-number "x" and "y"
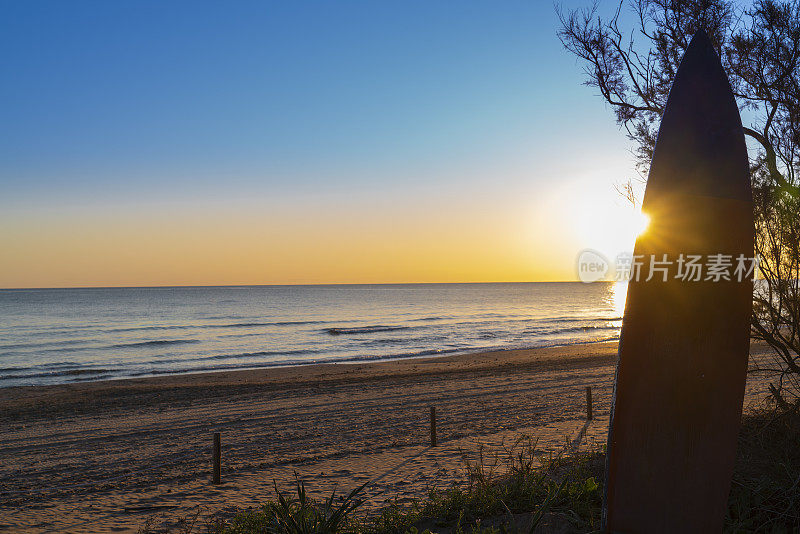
{"x": 633, "y": 69}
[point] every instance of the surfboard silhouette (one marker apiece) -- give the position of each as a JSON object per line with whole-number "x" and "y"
{"x": 685, "y": 341}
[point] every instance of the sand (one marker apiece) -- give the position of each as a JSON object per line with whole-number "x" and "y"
{"x": 109, "y": 456}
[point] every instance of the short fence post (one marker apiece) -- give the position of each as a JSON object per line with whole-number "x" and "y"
{"x": 588, "y": 403}
{"x": 433, "y": 426}
{"x": 217, "y": 458}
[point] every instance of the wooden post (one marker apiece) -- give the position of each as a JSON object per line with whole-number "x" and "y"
{"x": 217, "y": 460}
{"x": 588, "y": 403}
{"x": 433, "y": 426}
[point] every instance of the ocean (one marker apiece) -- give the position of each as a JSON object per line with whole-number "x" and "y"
{"x": 55, "y": 336}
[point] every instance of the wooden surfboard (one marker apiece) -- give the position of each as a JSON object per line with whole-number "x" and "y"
{"x": 684, "y": 344}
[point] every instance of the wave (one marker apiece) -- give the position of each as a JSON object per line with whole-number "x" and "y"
{"x": 206, "y": 326}
{"x": 292, "y": 323}
{"x": 235, "y": 356}
{"x": 578, "y": 329}
{"x": 41, "y": 344}
{"x": 573, "y": 318}
{"x": 249, "y": 334}
{"x": 137, "y": 344}
{"x": 154, "y": 343}
{"x": 416, "y": 354}
{"x": 262, "y": 365}
{"x": 63, "y": 373}
{"x": 148, "y": 328}
{"x": 78, "y": 374}
{"x": 13, "y": 369}
{"x": 363, "y": 330}
{"x": 251, "y": 355}
{"x": 570, "y": 330}
{"x": 385, "y": 341}
{"x": 107, "y": 376}
{"x": 245, "y": 325}
{"x": 95, "y": 374}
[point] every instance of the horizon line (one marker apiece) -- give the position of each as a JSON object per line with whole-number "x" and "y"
{"x": 43, "y": 288}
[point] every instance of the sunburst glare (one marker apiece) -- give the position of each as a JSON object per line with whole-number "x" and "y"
{"x": 641, "y": 221}
{"x": 619, "y": 291}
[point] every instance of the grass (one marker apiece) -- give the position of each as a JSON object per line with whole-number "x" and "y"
{"x": 516, "y": 492}
{"x": 765, "y": 494}
{"x": 510, "y": 492}
{"x": 299, "y": 514}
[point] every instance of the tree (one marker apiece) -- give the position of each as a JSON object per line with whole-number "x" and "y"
{"x": 633, "y": 68}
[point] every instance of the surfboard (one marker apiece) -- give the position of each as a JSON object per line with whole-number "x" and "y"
{"x": 685, "y": 340}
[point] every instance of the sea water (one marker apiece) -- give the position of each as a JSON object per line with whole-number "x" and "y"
{"x": 51, "y": 336}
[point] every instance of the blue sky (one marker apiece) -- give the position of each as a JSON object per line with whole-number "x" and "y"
{"x": 128, "y": 105}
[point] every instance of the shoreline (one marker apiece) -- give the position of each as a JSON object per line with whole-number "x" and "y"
{"x": 433, "y": 353}
{"x": 20, "y": 401}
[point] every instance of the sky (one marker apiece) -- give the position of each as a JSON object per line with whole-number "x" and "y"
{"x": 209, "y": 143}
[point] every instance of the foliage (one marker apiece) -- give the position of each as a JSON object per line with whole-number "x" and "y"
{"x": 299, "y": 515}
{"x": 765, "y": 495}
{"x": 633, "y": 67}
{"x": 515, "y": 492}
{"x": 514, "y": 487}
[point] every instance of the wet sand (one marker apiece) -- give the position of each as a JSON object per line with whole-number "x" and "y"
{"x": 106, "y": 456}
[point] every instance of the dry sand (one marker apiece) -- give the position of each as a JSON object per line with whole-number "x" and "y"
{"x": 106, "y": 456}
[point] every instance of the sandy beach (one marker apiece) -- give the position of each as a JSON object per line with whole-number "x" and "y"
{"x": 108, "y": 456}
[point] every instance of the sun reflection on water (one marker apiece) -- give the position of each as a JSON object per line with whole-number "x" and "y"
{"x": 618, "y": 291}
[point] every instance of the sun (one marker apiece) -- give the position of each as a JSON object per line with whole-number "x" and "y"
{"x": 640, "y": 221}
{"x": 608, "y": 228}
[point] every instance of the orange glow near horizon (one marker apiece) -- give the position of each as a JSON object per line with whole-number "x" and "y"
{"x": 511, "y": 238}
{"x": 226, "y": 248}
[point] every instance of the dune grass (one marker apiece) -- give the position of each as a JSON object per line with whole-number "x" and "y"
{"x": 765, "y": 494}
{"x": 298, "y": 514}
{"x": 517, "y": 492}
{"x": 514, "y": 491}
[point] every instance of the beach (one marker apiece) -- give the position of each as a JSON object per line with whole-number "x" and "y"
{"x": 391, "y": 256}
{"x": 108, "y": 456}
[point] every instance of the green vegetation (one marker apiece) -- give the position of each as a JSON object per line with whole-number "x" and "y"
{"x": 516, "y": 492}
{"x": 765, "y": 495}
{"x": 512, "y": 492}
{"x": 299, "y": 515}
